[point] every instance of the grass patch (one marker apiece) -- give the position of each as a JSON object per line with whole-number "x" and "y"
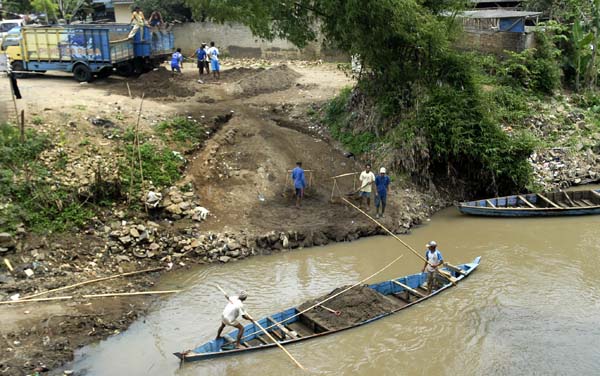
{"x": 182, "y": 131}
{"x": 160, "y": 166}
{"x": 27, "y": 195}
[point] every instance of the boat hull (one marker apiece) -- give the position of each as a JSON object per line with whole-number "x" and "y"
{"x": 551, "y": 204}
{"x": 213, "y": 349}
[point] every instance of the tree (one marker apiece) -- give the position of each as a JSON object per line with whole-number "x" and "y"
{"x": 169, "y": 9}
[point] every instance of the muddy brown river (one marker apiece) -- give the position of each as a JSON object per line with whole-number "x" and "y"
{"x": 531, "y": 308}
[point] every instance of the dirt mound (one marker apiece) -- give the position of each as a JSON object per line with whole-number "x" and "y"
{"x": 269, "y": 80}
{"x": 356, "y": 305}
{"x": 161, "y": 83}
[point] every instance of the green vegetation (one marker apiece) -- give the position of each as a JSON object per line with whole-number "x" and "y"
{"x": 27, "y": 189}
{"x": 161, "y": 167}
{"x": 184, "y": 132}
{"x": 37, "y": 120}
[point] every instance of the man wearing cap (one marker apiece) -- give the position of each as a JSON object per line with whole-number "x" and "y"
{"x": 434, "y": 260}
{"x": 382, "y": 183}
{"x": 232, "y": 312}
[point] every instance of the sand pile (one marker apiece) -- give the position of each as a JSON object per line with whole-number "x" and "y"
{"x": 268, "y": 80}
{"x": 161, "y": 83}
{"x": 358, "y": 304}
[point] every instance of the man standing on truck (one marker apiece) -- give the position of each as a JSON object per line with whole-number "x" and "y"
{"x": 138, "y": 21}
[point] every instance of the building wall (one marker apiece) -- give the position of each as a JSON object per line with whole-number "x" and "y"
{"x": 122, "y": 13}
{"x": 237, "y": 40}
{"x": 496, "y": 42}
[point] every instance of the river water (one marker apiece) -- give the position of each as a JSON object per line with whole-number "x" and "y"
{"x": 532, "y": 307}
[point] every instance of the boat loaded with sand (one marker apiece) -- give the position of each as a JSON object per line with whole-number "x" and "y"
{"x": 342, "y": 309}
{"x": 536, "y": 204}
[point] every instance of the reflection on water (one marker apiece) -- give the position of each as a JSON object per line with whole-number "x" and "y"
{"x": 532, "y": 307}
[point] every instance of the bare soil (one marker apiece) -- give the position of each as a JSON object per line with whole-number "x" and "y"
{"x": 356, "y": 305}
{"x": 241, "y": 175}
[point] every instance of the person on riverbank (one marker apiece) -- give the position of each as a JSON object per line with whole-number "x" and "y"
{"x": 177, "y": 61}
{"x": 382, "y": 185}
{"x": 202, "y": 62}
{"x": 367, "y": 178}
{"x": 299, "y": 183}
{"x": 434, "y": 260}
{"x": 215, "y": 66}
{"x": 231, "y": 314}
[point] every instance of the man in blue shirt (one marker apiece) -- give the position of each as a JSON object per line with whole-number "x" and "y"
{"x": 202, "y": 60}
{"x": 299, "y": 183}
{"x": 434, "y": 260}
{"x": 177, "y": 61}
{"x": 382, "y": 183}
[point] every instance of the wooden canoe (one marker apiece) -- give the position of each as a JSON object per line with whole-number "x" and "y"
{"x": 536, "y": 204}
{"x": 288, "y": 327}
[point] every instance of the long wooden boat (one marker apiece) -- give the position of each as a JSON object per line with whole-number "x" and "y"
{"x": 536, "y": 204}
{"x": 289, "y": 327}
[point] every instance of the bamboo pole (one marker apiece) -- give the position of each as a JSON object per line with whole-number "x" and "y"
{"x": 441, "y": 272}
{"x": 111, "y": 294}
{"x": 342, "y": 175}
{"x": 137, "y": 139}
{"x": 37, "y": 300}
{"x": 334, "y": 295}
{"x": 267, "y": 333}
{"x": 91, "y": 281}
{"x": 91, "y": 296}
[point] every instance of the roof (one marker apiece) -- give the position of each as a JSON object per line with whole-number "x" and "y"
{"x": 499, "y": 13}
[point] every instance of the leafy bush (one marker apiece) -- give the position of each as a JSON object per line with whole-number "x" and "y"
{"x": 337, "y": 118}
{"x": 26, "y": 194}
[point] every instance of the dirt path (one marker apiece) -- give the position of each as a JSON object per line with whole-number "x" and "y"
{"x": 240, "y": 174}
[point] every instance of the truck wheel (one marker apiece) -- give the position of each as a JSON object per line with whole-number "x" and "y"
{"x": 82, "y": 73}
{"x": 18, "y": 66}
{"x": 104, "y": 73}
{"x": 125, "y": 69}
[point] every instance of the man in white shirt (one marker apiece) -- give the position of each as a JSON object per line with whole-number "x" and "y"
{"x": 434, "y": 260}
{"x": 367, "y": 178}
{"x": 215, "y": 66}
{"x": 232, "y": 312}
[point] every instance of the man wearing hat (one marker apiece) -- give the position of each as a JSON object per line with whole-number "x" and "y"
{"x": 382, "y": 183}
{"x": 434, "y": 260}
{"x": 232, "y": 312}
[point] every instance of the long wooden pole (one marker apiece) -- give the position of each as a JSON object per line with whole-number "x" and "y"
{"x": 442, "y": 272}
{"x": 91, "y": 281}
{"x": 91, "y": 296}
{"x": 267, "y": 333}
{"x": 334, "y": 295}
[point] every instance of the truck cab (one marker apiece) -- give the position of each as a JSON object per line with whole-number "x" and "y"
{"x": 8, "y": 25}
{"x": 10, "y": 45}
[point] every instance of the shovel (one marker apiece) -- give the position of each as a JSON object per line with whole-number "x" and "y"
{"x": 337, "y": 313}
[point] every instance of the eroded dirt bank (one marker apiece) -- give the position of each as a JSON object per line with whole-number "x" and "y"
{"x": 259, "y": 123}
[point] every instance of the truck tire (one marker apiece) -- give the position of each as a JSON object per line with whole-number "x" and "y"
{"x": 104, "y": 72}
{"x": 125, "y": 69}
{"x": 82, "y": 73}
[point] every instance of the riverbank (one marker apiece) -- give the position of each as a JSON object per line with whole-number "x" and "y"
{"x": 230, "y": 201}
{"x": 224, "y": 193}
